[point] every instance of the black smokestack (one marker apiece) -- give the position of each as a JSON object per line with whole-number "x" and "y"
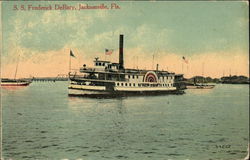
{"x": 121, "y": 62}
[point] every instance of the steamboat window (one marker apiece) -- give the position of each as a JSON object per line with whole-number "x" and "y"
{"x": 137, "y": 77}
{"x": 118, "y": 84}
{"x": 134, "y": 84}
{"x": 122, "y": 84}
{"x": 133, "y": 77}
{"x": 129, "y": 84}
{"x": 126, "y": 84}
{"x": 139, "y": 85}
{"x": 128, "y": 76}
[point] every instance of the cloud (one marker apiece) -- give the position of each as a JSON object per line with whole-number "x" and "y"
{"x": 50, "y": 30}
{"x": 43, "y": 40}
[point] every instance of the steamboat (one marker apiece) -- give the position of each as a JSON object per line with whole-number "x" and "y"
{"x": 107, "y": 79}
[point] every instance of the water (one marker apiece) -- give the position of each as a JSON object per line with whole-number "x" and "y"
{"x": 41, "y": 122}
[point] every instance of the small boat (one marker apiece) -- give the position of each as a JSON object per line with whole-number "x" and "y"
{"x": 14, "y": 82}
{"x": 200, "y": 86}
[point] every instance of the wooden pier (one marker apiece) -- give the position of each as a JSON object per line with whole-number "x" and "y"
{"x": 60, "y": 77}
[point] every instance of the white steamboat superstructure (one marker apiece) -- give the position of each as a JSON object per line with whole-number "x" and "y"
{"x": 112, "y": 79}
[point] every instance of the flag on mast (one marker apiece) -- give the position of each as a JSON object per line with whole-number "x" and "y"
{"x": 185, "y": 60}
{"x": 72, "y": 54}
{"x": 108, "y": 51}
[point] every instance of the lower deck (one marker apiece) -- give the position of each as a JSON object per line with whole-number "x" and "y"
{"x": 110, "y": 94}
{"x": 113, "y": 89}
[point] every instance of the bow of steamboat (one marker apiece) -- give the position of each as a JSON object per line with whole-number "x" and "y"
{"x": 112, "y": 79}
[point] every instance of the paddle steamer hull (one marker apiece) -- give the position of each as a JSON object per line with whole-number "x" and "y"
{"x": 120, "y": 93}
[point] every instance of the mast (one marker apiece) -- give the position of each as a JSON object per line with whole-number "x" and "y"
{"x": 69, "y": 63}
{"x": 203, "y": 73}
{"x": 153, "y": 61}
{"x": 136, "y": 62}
{"x": 17, "y": 66}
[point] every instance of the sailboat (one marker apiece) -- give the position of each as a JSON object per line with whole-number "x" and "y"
{"x": 199, "y": 86}
{"x": 202, "y": 85}
{"x": 15, "y": 82}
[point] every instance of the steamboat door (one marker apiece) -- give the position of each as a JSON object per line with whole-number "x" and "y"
{"x": 110, "y": 86}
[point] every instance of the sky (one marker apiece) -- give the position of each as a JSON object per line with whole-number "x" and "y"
{"x": 212, "y": 36}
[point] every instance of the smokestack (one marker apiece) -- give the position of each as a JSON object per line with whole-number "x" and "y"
{"x": 121, "y": 62}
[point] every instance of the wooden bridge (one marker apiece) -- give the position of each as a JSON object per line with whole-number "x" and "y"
{"x": 59, "y": 77}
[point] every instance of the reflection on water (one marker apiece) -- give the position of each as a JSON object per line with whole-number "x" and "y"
{"x": 13, "y": 88}
{"x": 42, "y": 122}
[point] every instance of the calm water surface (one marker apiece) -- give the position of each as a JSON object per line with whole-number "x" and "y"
{"x": 41, "y": 122}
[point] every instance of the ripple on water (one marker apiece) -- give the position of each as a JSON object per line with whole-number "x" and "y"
{"x": 174, "y": 154}
{"x": 94, "y": 150}
{"x": 69, "y": 150}
{"x": 120, "y": 156}
{"x": 27, "y": 157}
{"x": 222, "y": 140}
{"x": 209, "y": 141}
{"x": 154, "y": 149}
{"x": 172, "y": 146}
{"x": 183, "y": 138}
{"x": 148, "y": 152}
{"x": 83, "y": 147}
{"x": 44, "y": 146}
